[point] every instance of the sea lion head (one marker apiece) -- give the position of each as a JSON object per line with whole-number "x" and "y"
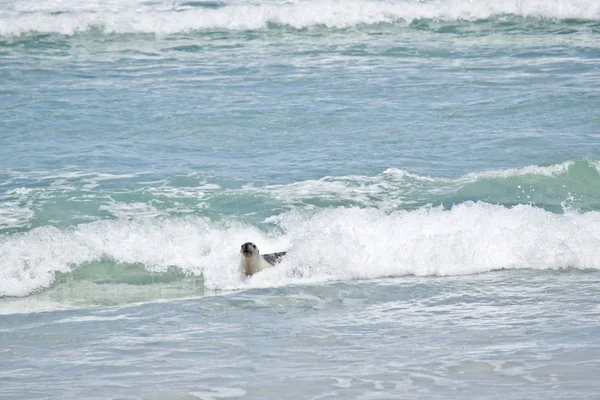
{"x": 249, "y": 249}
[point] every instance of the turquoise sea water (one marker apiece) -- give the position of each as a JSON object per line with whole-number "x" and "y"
{"x": 431, "y": 167}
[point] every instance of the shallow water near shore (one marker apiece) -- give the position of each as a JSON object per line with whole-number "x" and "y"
{"x": 432, "y": 169}
{"x": 528, "y": 332}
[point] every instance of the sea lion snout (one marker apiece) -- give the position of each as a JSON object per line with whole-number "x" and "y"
{"x": 248, "y": 249}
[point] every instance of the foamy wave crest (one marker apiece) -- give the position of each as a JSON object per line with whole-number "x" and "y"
{"x": 469, "y": 238}
{"x": 127, "y": 16}
{"x": 330, "y": 244}
{"x": 29, "y": 261}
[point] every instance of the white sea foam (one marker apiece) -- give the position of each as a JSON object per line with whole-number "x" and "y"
{"x": 16, "y": 211}
{"x": 469, "y": 238}
{"x": 130, "y": 210}
{"x": 331, "y": 244}
{"x": 549, "y": 170}
{"x": 13, "y": 214}
{"x": 134, "y": 16}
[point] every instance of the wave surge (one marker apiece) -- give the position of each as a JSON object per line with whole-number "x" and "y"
{"x": 325, "y": 245}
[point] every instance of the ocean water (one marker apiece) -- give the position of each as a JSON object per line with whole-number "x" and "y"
{"x": 431, "y": 167}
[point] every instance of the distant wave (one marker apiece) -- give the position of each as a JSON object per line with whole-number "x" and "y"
{"x": 337, "y": 243}
{"x": 134, "y": 16}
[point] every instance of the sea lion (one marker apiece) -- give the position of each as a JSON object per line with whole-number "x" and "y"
{"x": 253, "y": 262}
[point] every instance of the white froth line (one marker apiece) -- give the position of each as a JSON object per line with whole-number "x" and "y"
{"x": 549, "y": 171}
{"x": 133, "y": 18}
{"x": 405, "y": 174}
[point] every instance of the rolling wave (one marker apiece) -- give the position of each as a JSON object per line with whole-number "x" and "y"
{"x": 70, "y": 17}
{"x": 339, "y": 243}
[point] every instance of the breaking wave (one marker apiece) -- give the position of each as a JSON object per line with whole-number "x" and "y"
{"x": 162, "y": 17}
{"x": 341, "y": 243}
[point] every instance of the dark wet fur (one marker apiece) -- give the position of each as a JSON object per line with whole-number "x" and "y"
{"x": 274, "y": 258}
